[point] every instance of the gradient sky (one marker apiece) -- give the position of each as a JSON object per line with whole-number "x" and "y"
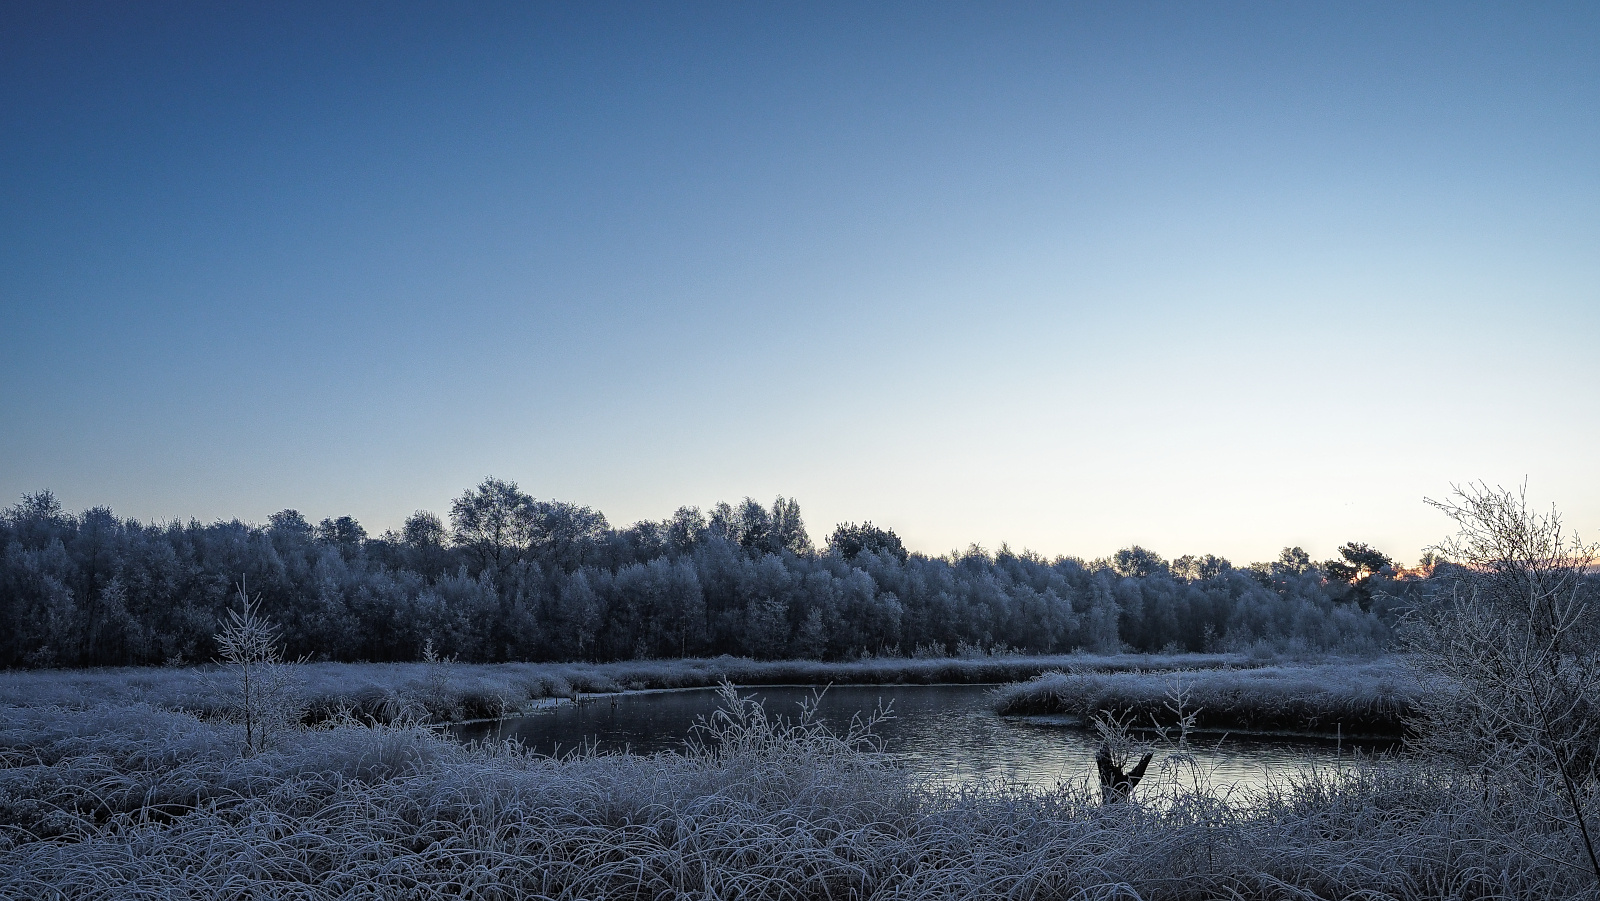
{"x": 1205, "y": 277}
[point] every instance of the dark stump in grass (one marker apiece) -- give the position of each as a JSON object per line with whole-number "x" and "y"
{"x": 1115, "y": 785}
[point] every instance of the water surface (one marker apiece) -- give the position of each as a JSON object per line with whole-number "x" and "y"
{"x": 948, "y": 733}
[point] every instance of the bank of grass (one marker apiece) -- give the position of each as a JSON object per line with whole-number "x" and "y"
{"x": 137, "y": 801}
{"x": 456, "y": 691}
{"x": 1372, "y": 698}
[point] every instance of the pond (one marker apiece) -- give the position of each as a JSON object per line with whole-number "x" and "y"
{"x": 947, "y": 733}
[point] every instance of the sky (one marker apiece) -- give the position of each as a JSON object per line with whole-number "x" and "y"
{"x": 1207, "y": 278}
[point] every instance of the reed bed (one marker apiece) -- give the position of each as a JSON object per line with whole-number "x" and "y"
{"x": 141, "y": 802}
{"x": 1372, "y": 698}
{"x": 445, "y": 691}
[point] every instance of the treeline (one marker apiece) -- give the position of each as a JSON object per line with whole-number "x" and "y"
{"x": 512, "y": 578}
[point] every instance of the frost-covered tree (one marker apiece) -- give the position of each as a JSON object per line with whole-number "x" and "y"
{"x": 752, "y": 526}
{"x": 1513, "y": 645}
{"x": 290, "y": 524}
{"x": 851, "y": 541}
{"x": 560, "y": 533}
{"x": 1293, "y": 561}
{"x": 499, "y": 585}
{"x": 1136, "y": 562}
{"x": 265, "y": 690}
{"x": 685, "y": 530}
{"x": 788, "y": 529}
{"x": 577, "y": 617}
{"x": 493, "y": 522}
{"x": 1200, "y": 568}
{"x": 423, "y": 530}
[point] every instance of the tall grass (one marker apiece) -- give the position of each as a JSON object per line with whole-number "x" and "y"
{"x": 1370, "y": 698}
{"x": 139, "y": 802}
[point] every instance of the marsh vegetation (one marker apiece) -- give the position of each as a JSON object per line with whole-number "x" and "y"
{"x": 447, "y": 690}
{"x": 141, "y": 802}
{"x": 1330, "y": 697}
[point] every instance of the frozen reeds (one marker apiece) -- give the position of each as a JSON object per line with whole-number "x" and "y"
{"x": 139, "y": 802}
{"x": 1360, "y": 698}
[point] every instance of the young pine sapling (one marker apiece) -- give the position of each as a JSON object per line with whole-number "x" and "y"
{"x": 265, "y": 691}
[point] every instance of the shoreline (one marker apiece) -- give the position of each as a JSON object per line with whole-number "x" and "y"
{"x": 456, "y": 691}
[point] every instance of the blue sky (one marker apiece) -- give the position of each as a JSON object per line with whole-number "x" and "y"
{"x": 1208, "y": 278}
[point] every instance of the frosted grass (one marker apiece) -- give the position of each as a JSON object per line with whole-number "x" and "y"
{"x": 141, "y": 802}
{"x": 458, "y": 691}
{"x": 1355, "y": 697}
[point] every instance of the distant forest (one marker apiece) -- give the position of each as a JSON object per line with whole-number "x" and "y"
{"x": 508, "y": 577}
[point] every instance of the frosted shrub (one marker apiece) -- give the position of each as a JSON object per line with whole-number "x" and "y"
{"x": 1515, "y": 646}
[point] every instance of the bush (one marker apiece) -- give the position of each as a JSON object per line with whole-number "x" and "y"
{"x": 1515, "y": 645}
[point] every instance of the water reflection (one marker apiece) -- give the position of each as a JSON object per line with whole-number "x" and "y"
{"x": 948, "y": 733}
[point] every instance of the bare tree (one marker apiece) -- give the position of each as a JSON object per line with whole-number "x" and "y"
{"x": 493, "y": 522}
{"x": 1512, "y": 647}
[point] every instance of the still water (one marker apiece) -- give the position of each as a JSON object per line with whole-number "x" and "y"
{"x": 947, "y": 733}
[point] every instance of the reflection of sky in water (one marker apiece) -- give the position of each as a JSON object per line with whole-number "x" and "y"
{"x": 948, "y": 733}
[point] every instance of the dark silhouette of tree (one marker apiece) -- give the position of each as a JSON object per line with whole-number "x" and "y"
{"x": 752, "y": 526}
{"x": 493, "y": 522}
{"x": 560, "y": 532}
{"x": 851, "y": 541}
{"x": 1359, "y": 564}
{"x": 1294, "y": 561}
{"x": 788, "y": 529}
{"x": 290, "y": 523}
{"x": 1136, "y": 563}
{"x": 344, "y": 531}
{"x": 424, "y": 530}
{"x": 685, "y": 531}
{"x": 1200, "y": 568}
